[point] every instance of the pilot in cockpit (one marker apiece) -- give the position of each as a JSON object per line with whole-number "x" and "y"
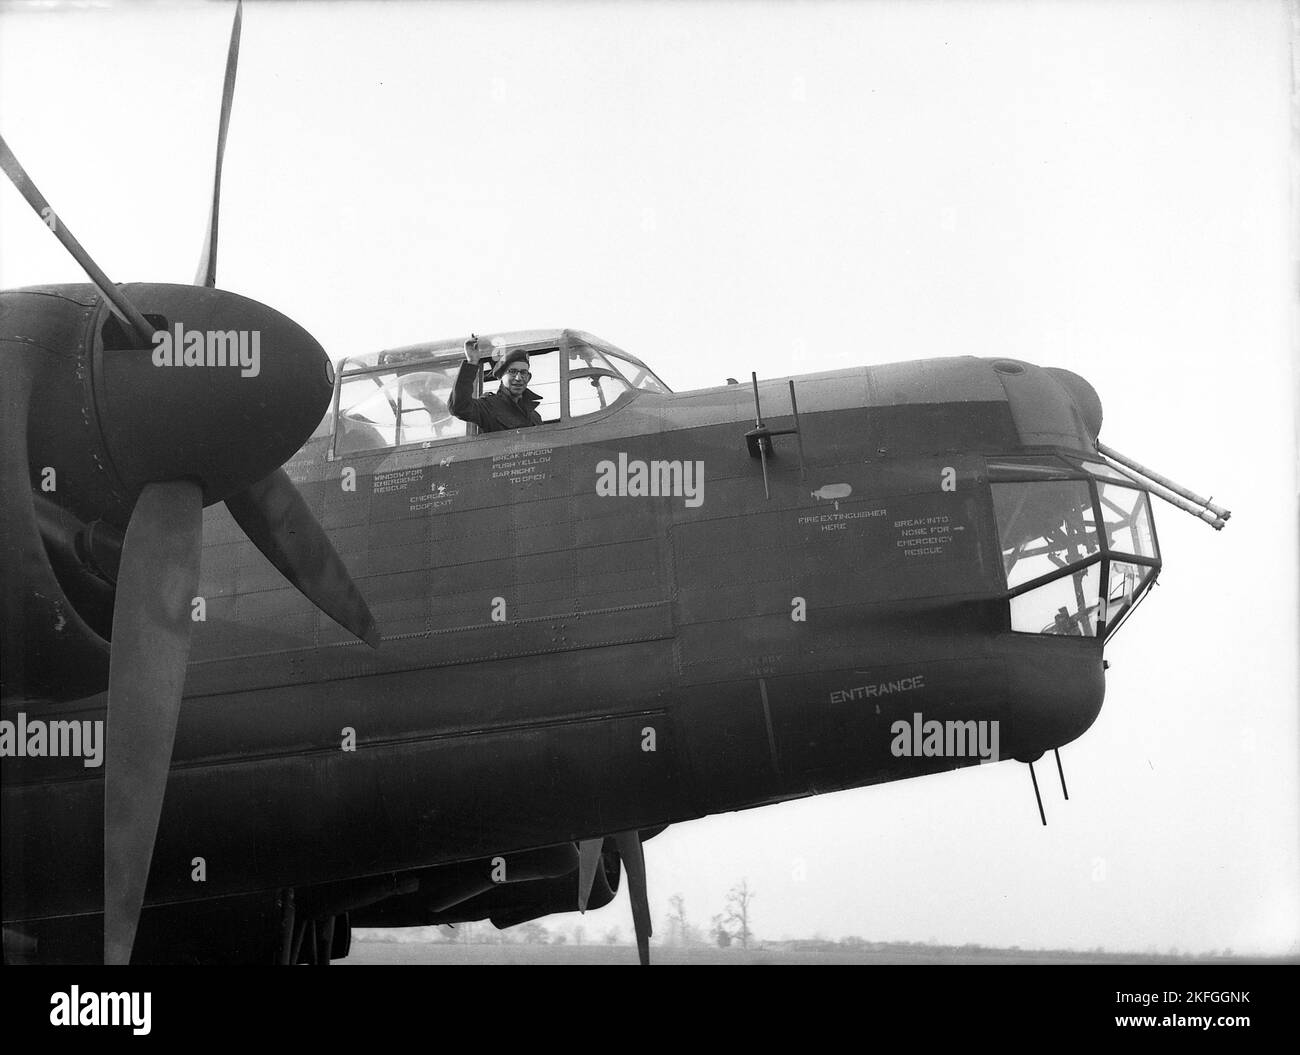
{"x": 512, "y": 406}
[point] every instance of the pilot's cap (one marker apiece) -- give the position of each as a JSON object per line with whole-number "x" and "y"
{"x": 502, "y": 358}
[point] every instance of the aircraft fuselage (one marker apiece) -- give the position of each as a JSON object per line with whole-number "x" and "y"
{"x": 567, "y": 653}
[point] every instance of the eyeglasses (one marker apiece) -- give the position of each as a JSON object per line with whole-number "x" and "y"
{"x": 525, "y": 374}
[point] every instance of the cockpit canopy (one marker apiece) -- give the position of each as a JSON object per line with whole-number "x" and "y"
{"x": 400, "y": 397}
{"x": 1078, "y": 544}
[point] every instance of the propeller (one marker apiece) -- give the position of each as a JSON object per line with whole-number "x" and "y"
{"x": 277, "y": 520}
{"x": 271, "y": 512}
{"x": 207, "y": 274}
{"x": 127, "y": 313}
{"x": 161, "y": 550}
{"x": 629, "y": 848}
{"x": 159, "y": 574}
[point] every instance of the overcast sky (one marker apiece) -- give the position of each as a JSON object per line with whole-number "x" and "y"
{"x": 734, "y": 187}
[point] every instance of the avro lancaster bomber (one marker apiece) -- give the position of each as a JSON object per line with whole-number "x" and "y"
{"x": 356, "y": 662}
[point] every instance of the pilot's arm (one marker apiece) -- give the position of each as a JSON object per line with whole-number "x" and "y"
{"x": 462, "y": 402}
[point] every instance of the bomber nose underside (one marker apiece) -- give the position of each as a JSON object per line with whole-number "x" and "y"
{"x": 1055, "y": 688}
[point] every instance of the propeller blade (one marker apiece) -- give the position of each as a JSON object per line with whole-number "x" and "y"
{"x": 207, "y": 274}
{"x": 629, "y": 848}
{"x": 127, "y": 312}
{"x": 151, "y": 643}
{"x": 280, "y": 524}
{"x": 588, "y": 862}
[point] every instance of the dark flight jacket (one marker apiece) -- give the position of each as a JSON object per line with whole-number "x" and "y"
{"x": 496, "y": 411}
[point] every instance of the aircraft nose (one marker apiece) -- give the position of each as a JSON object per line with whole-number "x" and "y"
{"x": 1055, "y": 691}
{"x": 1084, "y": 396}
{"x": 230, "y": 390}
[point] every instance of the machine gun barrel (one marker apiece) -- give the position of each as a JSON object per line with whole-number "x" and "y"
{"x": 1137, "y": 467}
{"x": 1201, "y": 512}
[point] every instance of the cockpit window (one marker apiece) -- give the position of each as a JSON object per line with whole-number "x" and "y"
{"x": 592, "y": 393}
{"x": 396, "y": 407}
{"x": 409, "y": 404}
{"x": 1127, "y": 583}
{"x": 1127, "y": 515}
{"x": 1045, "y": 526}
{"x": 545, "y": 366}
{"x": 1104, "y": 471}
{"x": 1078, "y": 554}
{"x": 594, "y": 384}
{"x": 400, "y": 397}
{"x": 638, "y": 375}
{"x": 1067, "y": 606}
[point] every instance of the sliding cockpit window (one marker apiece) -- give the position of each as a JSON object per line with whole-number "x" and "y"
{"x": 392, "y": 408}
